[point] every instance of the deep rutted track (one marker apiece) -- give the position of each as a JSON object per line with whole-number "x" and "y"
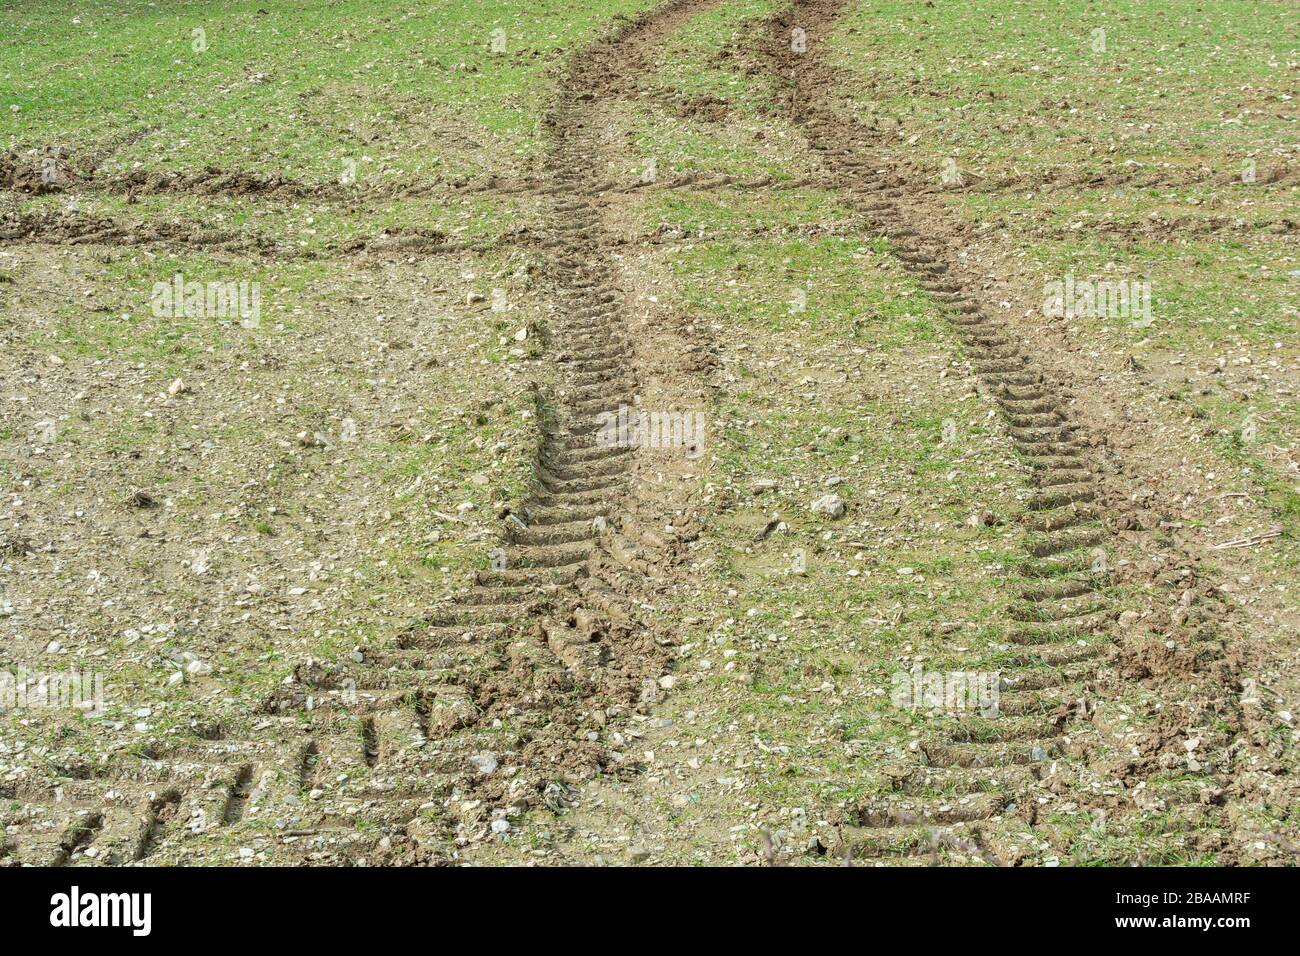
{"x": 497, "y": 700}
{"x": 974, "y": 783}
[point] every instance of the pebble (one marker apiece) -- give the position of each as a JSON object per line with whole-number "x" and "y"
{"x": 831, "y": 505}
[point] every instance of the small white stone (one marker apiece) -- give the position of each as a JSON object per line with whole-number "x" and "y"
{"x": 830, "y": 505}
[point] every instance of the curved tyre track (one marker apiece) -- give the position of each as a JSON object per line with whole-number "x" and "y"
{"x": 496, "y": 700}
{"x": 971, "y": 790}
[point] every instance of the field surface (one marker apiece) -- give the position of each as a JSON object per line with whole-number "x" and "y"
{"x": 961, "y": 524}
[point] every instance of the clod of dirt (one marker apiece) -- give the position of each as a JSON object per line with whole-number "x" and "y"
{"x": 14, "y": 546}
{"x": 142, "y": 499}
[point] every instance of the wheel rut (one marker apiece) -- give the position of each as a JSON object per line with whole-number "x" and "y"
{"x": 499, "y": 699}
{"x": 971, "y": 788}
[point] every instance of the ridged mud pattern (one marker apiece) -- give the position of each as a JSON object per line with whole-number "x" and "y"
{"x": 499, "y": 696}
{"x": 973, "y": 771}
{"x": 161, "y": 810}
{"x": 79, "y": 836}
{"x": 237, "y": 802}
{"x": 550, "y": 639}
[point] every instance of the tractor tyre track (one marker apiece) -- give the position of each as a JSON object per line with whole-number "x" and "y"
{"x": 499, "y": 700}
{"x": 974, "y": 784}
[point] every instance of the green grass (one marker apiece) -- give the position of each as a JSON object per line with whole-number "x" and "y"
{"x": 1123, "y": 162}
{"x": 290, "y": 89}
{"x": 694, "y": 61}
{"x": 1020, "y": 84}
